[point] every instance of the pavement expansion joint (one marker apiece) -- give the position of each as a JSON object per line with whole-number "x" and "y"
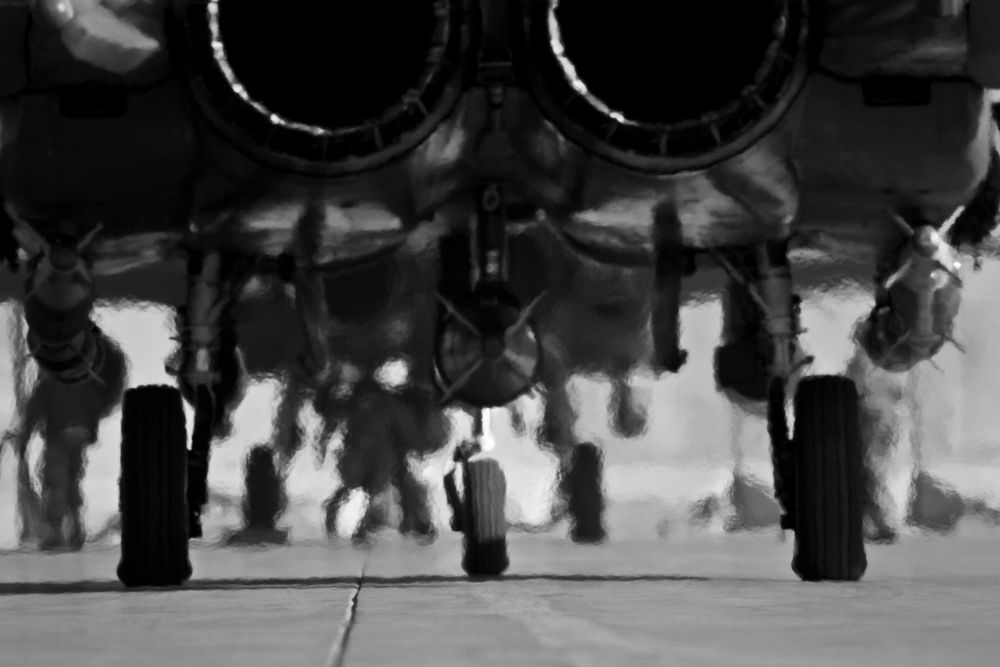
{"x": 338, "y": 651}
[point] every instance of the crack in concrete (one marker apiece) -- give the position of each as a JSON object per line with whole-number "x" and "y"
{"x": 338, "y": 651}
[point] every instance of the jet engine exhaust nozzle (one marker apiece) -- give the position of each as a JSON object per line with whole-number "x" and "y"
{"x": 663, "y": 86}
{"x": 325, "y": 86}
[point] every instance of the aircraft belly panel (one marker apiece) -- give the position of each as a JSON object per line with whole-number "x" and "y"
{"x": 984, "y": 47}
{"x": 856, "y": 160}
{"x": 330, "y": 221}
{"x": 13, "y": 44}
{"x": 915, "y": 37}
{"x": 129, "y": 172}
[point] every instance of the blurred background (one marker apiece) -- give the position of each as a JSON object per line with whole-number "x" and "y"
{"x": 654, "y": 483}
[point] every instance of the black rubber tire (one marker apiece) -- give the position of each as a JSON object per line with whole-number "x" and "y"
{"x": 264, "y": 498}
{"x": 585, "y": 495}
{"x": 829, "y": 481}
{"x": 153, "y": 489}
{"x": 485, "y": 522}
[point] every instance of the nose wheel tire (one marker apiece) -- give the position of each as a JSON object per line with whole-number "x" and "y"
{"x": 153, "y": 487}
{"x": 484, "y": 523}
{"x": 829, "y": 485}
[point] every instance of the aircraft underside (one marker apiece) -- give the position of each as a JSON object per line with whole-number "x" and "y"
{"x": 512, "y": 204}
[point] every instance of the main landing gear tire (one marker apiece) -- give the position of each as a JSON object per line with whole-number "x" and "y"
{"x": 153, "y": 489}
{"x": 829, "y": 484}
{"x": 484, "y": 524}
{"x": 585, "y": 497}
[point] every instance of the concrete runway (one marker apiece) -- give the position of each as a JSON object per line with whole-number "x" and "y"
{"x": 699, "y": 600}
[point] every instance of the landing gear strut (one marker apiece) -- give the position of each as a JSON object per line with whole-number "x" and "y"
{"x": 818, "y": 470}
{"x": 210, "y": 371}
{"x": 488, "y": 354}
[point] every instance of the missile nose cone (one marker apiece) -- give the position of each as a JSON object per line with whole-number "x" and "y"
{"x": 927, "y": 240}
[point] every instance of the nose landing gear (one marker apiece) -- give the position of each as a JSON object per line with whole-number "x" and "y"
{"x": 478, "y": 511}
{"x": 488, "y": 354}
{"x": 488, "y": 351}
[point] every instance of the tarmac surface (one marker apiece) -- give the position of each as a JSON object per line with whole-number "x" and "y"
{"x": 688, "y": 597}
{"x": 698, "y": 600}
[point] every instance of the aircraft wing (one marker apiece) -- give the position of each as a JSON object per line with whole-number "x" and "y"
{"x": 921, "y": 38}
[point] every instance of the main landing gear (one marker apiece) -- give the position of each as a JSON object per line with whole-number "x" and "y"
{"x": 153, "y": 488}
{"x": 819, "y": 467}
{"x": 163, "y": 486}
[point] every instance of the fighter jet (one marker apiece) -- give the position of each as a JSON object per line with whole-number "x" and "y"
{"x": 741, "y": 133}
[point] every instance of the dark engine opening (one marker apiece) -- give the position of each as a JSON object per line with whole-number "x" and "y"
{"x": 668, "y": 61}
{"x": 328, "y": 64}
